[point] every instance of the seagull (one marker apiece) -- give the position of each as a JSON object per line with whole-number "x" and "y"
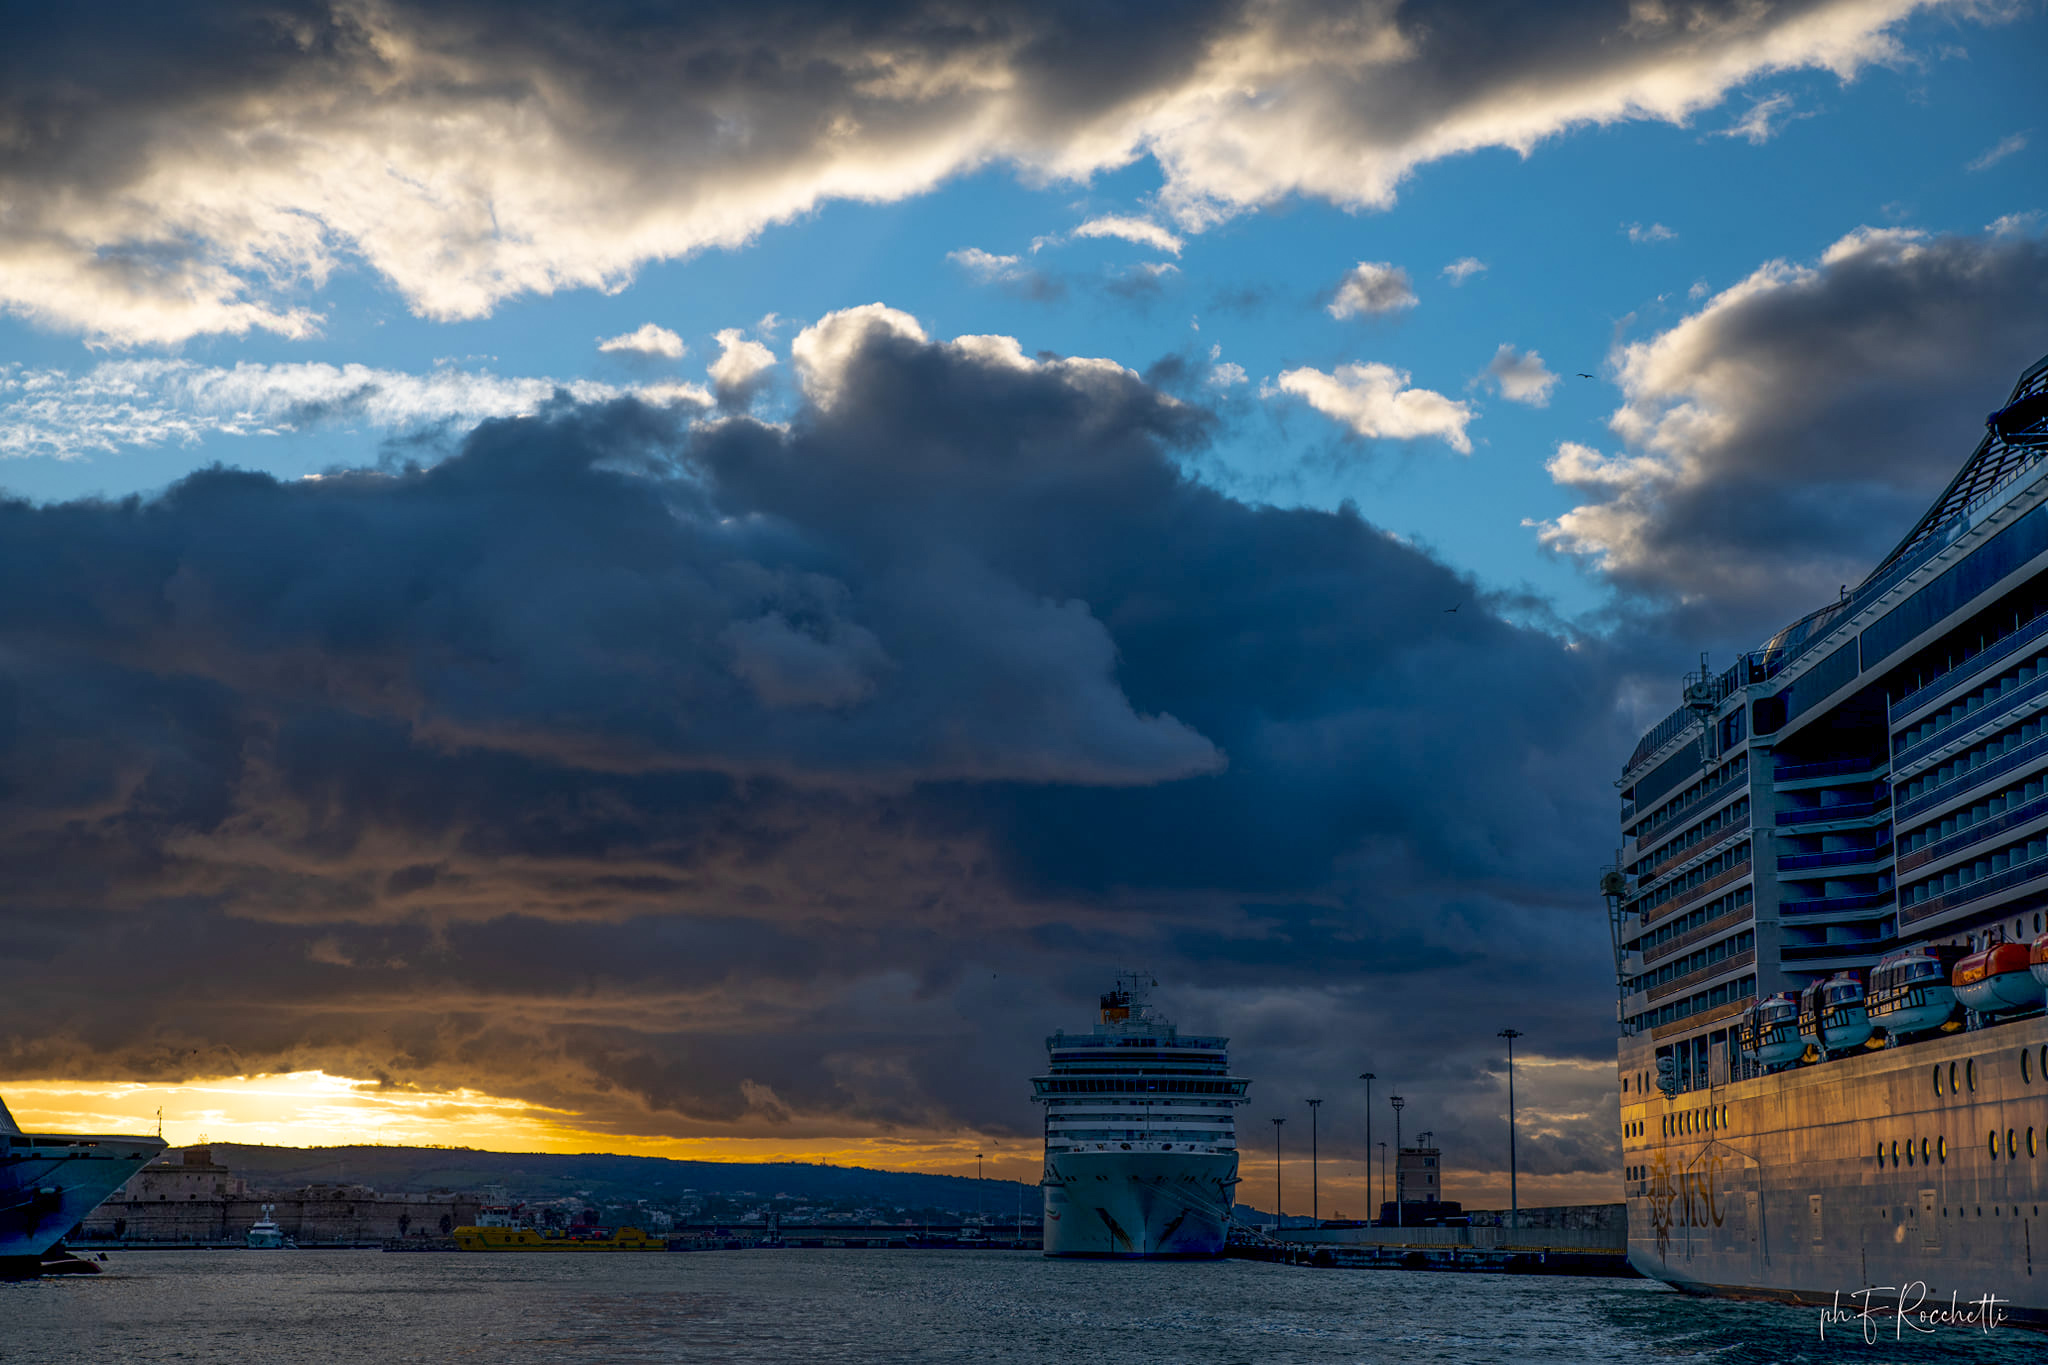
{"x": 1449, "y": 610}
{"x": 1584, "y": 375}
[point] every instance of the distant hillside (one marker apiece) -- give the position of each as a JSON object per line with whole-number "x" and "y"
{"x": 542, "y": 1175}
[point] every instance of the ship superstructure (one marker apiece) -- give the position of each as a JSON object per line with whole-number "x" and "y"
{"x": 49, "y": 1182}
{"x": 1828, "y": 919}
{"x": 1140, "y": 1134}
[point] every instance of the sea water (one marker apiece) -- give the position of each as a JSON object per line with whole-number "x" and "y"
{"x": 986, "y": 1307}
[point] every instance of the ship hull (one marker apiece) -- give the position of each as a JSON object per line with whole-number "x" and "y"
{"x": 1787, "y": 1187}
{"x": 1138, "y": 1205}
{"x": 48, "y": 1184}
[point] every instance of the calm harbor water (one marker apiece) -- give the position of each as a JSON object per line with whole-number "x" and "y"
{"x": 992, "y": 1308}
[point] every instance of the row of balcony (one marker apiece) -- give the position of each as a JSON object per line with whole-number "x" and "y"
{"x": 2009, "y": 701}
{"x": 1842, "y": 857}
{"x": 1847, "y": 810}
{"x": 2014, "y": 875}
{"x": 2033, "y": 751}
{"x": 1823, "y": 905}
{"x": 2013, "y": 817}
{"x": 2031, "y": 633}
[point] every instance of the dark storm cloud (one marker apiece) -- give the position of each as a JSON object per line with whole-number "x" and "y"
{"x": 735, "y": 774}
{"x": 180, "y": 170}
{"x": 1783, "y": 438}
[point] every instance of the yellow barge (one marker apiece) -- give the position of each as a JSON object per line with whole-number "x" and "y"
{"x": 533, "y": 1239}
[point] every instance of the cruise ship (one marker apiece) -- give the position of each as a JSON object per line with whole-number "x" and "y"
{"x": 1140, "y": 1135}
{"x": 1828, "y": 928}
{"x": 49, "y": 1182}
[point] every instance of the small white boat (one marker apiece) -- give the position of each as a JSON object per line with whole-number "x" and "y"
{"x": 266, "y": 1235}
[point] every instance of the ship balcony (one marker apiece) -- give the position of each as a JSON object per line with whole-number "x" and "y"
{"x": 1867, "y": 856}
{"x": 1824, "y": 908}
{"x": 2012, "y": 820}
{"x": 1705, "y": 976}
{"x": 1839, "y": 815}
{"x": 1801, "y": 776}
{"x": 2015, "y": 704}
{"x": 1919, "y": 698}
{"x": 1962, "y": 784}
{"x": 1969, "y": 888}
{"x": 1694, "y": 853}
{"x": 1712, "y": 929}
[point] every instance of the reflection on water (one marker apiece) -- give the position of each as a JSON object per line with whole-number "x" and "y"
{"x": 992, "y": 1308}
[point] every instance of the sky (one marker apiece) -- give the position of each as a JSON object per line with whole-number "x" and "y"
{"x": 696, "y": 582}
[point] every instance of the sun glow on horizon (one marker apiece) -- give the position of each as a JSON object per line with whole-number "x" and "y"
{"x": 316, "y": 1109}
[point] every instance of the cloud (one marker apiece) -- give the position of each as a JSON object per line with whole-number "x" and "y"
{"x": 644, "y": 767}
{"x": 1373, "y": 287}
{"x": 1463, "y": 269}
{"x": 1521, "y": 377}
{"x": 1655, "y": 232}
{"x": 1778, "y": 441}
{"x": 1765, "y": 119}
{"x": 1224, "y": 374}
{"x": 2010, "y": 145}
{"x": 986, "y": 266}
{"x": 649, "y": 340}
{"x": 741, "y": 368}
{"x": 1009, "y": 271}
{"x": 124, "y": 403}
{"x": 2015, "y": 224}
{"x": 1143, "y": 231}
{"x": 467, "y": 154}
{"x": 1376, "y": 400}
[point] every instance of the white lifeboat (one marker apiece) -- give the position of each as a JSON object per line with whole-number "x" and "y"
{"x": 1997, "y": 980}
{"x": 1770, "y": 1030}
{"x": 1844, "y": 1021}
{"x": 1910, "y": 993}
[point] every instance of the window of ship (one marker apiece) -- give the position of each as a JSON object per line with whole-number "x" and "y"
{"x": 2012, "y": 1147}
{"x": 2026, "y": 1067}
{"x": 1952, "y": 1080}
{"x": 1909, "y": 1151}
{"x": 1991, "y": 1141}
{"x": 2030, "y": 1141}
{"x": 1937, "y": 1081}
{"x": 1940, "y": 1148}
{"x": 1970, "y": 1074}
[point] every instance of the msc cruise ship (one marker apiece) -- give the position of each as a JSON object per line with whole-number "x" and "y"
{"x": 1828, "y": 924}
{"x": 1140, "y": 1135}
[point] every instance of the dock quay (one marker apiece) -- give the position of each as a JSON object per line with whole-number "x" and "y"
{"x": 1570, "y": 1240}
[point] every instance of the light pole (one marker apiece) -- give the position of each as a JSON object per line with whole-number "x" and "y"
{"x": 1315, "y": 1196}
{"x": 1514, "y": 1199}
{"x": 1372, "y": 1210}
{"x": 1399, "y": 1213}
{"x": 1279, "y": 1206}
{"x": 980, "y": 1193}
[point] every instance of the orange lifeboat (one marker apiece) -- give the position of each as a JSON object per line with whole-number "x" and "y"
{"x": 1997, "y": 980}
{"x": 2037, "y": 959}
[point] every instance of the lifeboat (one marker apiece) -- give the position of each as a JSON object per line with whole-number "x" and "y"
{"x": 1770, "y": 1030}
{"x": 1844, "y": 1021}
{"x": 1997, "y": 980}
{"x": 2037, "y": 959}
{"x": 1910, "y": 991}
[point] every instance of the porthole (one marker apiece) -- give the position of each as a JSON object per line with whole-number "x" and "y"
{"x": 1895, "y": 1152}
{"x": 2012, "y": 1146}
{"x": 2030, "y": 1142}
{"x": 1970, "y": 1074}
{"x": 1909, "y": 1151}
{"x": 1952, "y": 1080}
{"x": 1941, "y": 1149}
{"x": 1991, "y": 1141}
{"x": 1937, "y": 1082}
{"x": 2026, "y": 1067}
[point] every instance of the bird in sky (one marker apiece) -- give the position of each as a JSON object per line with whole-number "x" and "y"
{"x": 1584, "y": 375}
{"x": 1449, "y": 610}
